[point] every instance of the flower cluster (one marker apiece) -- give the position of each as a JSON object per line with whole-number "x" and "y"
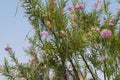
{"x": 106, "y": 33}
{"x": 111, "y": 22}
{"x": 79, "y": 6}
{"x": 44, "y": 34}
{"x": 8, "y": 48}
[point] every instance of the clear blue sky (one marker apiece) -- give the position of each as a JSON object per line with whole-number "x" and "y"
{"x": 13, "y": 29}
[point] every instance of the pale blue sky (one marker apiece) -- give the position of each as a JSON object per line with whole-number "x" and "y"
{"x": 12, "y": 29}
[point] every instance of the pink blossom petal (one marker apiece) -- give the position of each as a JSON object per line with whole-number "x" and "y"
{"x": 69, "y": 8}
{"x": 112, "y": 22}
{"x": 102, "y": 58}
{"x": 74, "y": 16}
{"x": 97, "y": 29}
{"x": 22, "y": 78}
{"x": 96, "y": 3}
{"x": 44, "y": 33}
{"x": 47, "y": 23}
{"x": 79, "y": 6}
{"x": 106, "y": 33}
{"x": 8, "y": 48}
{"x": 75, "y": 26}
{"x": 63, "y": 33}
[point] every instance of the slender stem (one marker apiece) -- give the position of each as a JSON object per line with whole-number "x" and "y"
{"x": 64, "y": 71}
{"x": 74, "y": 69}
{"x": 96, "y": 72}
{"x": 78, "y": 67}
{"x": 104, "y": 71}
{"x": 88, "y": 67}
{"x": 105, "y": 8}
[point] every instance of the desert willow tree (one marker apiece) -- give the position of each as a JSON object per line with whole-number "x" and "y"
{"x": 69, "y": 42}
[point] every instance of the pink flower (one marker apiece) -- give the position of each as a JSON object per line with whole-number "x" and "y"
{"x": 44, "y": 33}
{"x": 22, "y": 78}
{"x": 112, "y": 22}
{"x": 13, "y": 75}
{"x": 102, "y": 58}
{"x": 74, "y": 16}
{"x": 33, "y": 59}
{"x": 8, "y": 48}
{"x": 106, "y": 33}
{"x": 75, "y": 25}
{"x": 69, "y": 8}
{"x": 97, "y": 3}
{"x": 1, "y": 69}
{"x": 79, "y": 6}
{"x": 97, "y": 29}
{"x": 47, "y": 23}
{"x": 63, "y": 33}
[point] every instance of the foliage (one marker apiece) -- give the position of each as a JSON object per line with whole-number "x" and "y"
{"x": 69, "y": 42}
